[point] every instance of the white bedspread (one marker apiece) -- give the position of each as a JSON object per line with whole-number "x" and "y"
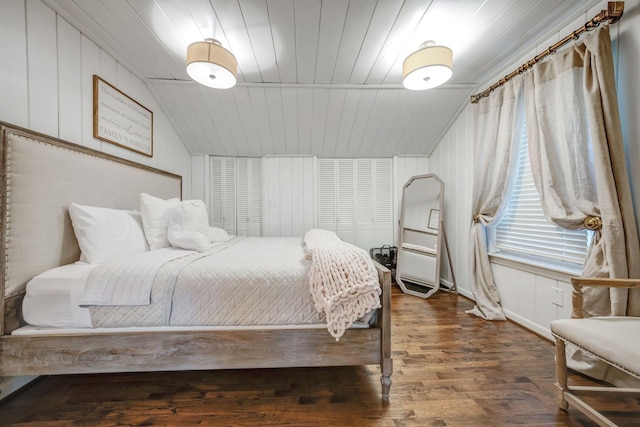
{"x": 127, "y": 280}
{"x": 246, "y": 281}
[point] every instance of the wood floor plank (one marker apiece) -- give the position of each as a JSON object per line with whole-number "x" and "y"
{"x": 450, "y": 369}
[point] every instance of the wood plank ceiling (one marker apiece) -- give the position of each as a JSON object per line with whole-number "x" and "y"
{"x": 316, "y": 77}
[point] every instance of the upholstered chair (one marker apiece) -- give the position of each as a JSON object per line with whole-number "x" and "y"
{"x": 613, "y": 339}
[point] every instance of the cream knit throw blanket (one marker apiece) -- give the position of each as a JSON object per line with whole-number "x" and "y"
{"x": 343, "y": 279}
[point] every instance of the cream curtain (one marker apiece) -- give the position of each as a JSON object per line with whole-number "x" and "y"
{"x": 495, "y": 151}
{"x": 578, "y": 163}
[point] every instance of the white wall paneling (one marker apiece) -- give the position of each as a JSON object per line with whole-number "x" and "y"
{"x": 626, "y": 39}
{"x": 42, "y": 68}
{"x": 531, "y": 299}
{"x": 14, "y": 102}
{"x": 90, "y": 54}
{"x": 452, "y": 161}
{"x": 69, "y": 74}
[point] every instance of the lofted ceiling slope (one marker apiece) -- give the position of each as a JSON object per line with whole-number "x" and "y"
{"x": 316, "y": 77}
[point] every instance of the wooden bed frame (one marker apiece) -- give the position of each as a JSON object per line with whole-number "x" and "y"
{"x": 38, "y": 183}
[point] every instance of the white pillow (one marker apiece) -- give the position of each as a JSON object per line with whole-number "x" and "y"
{"x": 104, "y": 234}
{"x": 189, "y": 227}
{"x": 155, "y": 219}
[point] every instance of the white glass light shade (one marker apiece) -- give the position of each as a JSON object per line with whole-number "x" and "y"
{"x": 427, "y": 68}
{"x": 212, "y": 65}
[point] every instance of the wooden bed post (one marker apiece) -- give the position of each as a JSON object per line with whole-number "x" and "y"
{"x": 386, "y": 362}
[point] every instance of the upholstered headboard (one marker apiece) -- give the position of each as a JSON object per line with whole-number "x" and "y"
{"x": 40, "y": 177}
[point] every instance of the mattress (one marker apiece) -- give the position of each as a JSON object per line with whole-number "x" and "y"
{"x": 52, "y": 298}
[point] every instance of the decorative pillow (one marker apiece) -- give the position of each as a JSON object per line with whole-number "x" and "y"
{"x": 104, "y": 234}
{"x": 189, "y": 227}
{"x": 156, "y": 214}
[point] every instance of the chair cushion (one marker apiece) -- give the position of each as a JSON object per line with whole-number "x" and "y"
{"x": 615, "y": 339}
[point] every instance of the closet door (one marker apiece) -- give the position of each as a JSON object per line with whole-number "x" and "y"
{"x": 248, "y": 196}
{"x": 383, "y": 205}
{"x": 222, "y": 209}
{"x": 327, "y": 194}
{"x": 355, "y": 199}
{"x": 345, "y": 202}
{"x": 374, "y": 219}
{"x": 365, "y": 203}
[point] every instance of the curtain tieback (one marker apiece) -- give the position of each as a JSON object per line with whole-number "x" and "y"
{"x": 476, "y": 218}
{"x": 593, "y": 223}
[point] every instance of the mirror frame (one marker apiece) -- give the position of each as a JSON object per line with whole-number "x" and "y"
{"x": 417, "y": 288}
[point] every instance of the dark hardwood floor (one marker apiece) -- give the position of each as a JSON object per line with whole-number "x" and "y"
{"x": 450, "y": 369}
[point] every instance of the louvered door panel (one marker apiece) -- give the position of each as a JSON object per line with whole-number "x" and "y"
{"x": 216, "y": 174}
{"x": 345, "y": 221}
{"x": 364, "y": 202}
{"x": 255, "y": 197}
{"x": 229, "y": 195}
{"x": 248, "y": 196}
{"x": 326, "y": 194}
{"x": 383, "y": 206}
{"x": 243, "y": 191}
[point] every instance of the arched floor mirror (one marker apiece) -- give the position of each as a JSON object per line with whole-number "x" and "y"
{"x": 422, "y": 239}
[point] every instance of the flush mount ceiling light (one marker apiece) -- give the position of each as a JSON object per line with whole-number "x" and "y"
{"x": 428, "y": 67}
{"x": 212, "y": 65}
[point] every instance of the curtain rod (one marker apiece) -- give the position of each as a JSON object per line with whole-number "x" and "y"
{"x": 612, "y": 15}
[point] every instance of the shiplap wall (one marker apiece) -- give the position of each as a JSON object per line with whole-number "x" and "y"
{"x": 527, "y": 293}
{"x": 452, "y": 161}
{"x": 46, "y": 84}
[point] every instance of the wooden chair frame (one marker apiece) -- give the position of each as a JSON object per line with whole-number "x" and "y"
{"x": 570, "y": 395}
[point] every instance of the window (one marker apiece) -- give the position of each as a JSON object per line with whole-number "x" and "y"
{"x": 524, "y": 231}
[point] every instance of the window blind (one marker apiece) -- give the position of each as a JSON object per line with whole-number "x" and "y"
{"x": 525, "y": 231}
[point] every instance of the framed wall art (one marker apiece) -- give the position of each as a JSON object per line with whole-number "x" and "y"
{"x": 121, "y": 120}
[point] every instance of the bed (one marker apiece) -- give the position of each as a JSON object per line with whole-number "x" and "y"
{"x": 41, "y": 176}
